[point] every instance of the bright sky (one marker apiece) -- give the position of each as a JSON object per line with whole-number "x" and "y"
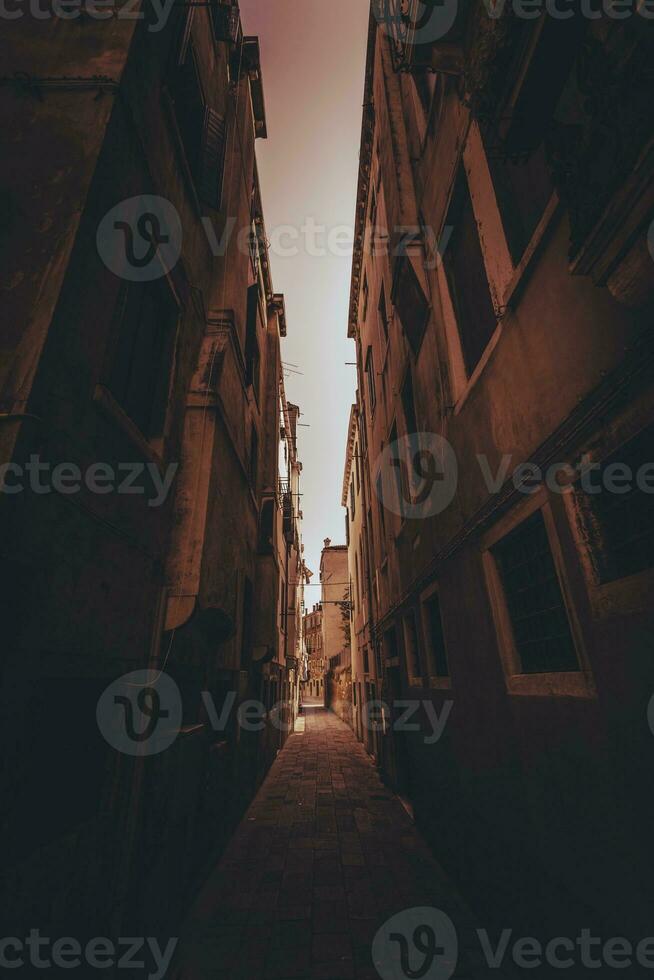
{"x": 313, "y": 60}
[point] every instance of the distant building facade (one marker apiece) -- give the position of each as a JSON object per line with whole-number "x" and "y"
{"x": 315, "y": 686}
{"x": 501, "y": 306}
{"x": 335, "y": 603}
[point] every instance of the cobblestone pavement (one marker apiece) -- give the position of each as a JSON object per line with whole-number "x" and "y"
{"x": 323, "y": 857}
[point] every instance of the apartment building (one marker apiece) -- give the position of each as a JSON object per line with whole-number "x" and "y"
{"x": 501, "y": 305}
{"x": 142, "y": 341}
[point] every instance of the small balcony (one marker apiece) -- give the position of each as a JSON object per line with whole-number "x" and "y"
{"x": 425, "y": 35}
{"x": 226, "y": 21}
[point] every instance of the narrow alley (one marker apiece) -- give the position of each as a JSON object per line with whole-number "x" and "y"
{"x": 326, "y": 489}
{"x": 323, "y": 858}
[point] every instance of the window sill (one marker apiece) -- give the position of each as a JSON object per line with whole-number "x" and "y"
{"x": 440, "y": 683}
{"x": 575, "y": 684}
{"x": 110, "y": 408}
{"x": 479, "y": 369}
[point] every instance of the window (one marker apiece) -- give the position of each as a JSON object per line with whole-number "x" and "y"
{"x": 370, "y": 378}
{"x": 352, "y": 500}
{"x": 466, "y": 274}
{"x": 400, "y": 471}
{"x": 139, "y": 377}
{"x": 248, "y": 618}
{"x": 266, "y": 527}
{"x": 224, "y": 20}
{"x": 425, "y": 85}
{"x": 282, "y": 604}
{"x": 539, "y": 619}
{"x": 365, "y": 298}
{"x": 373, "y": 208}
{"x": 366, "y": 661}
{"x": 252, "y": 353}
{"x": 347, "y": 528}
{"x": 383, "y": 313}
{"x": 382, "y": 516}
{"x": 202, "y": 131}
{"x": 390, "y": 641}
{"x": 356, "y": 578}
{"x": 414, "y": 666}
{"x": 254, "y": 456}
{"x": 435, "y": 638}
{"x": 620, "y": 525}
{"x": 408, "y": 405}
{"x": 411, "y": 303}
{"x": 516, "y": 143}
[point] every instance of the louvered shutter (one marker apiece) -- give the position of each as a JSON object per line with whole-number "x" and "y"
{"x": 212, "y": 161}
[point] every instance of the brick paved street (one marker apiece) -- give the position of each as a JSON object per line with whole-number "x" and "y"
{"x": 324, "y": 855}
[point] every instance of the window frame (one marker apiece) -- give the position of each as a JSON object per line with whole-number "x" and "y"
{"x": 369, "y": 371}
{"x": 580, "y": 683}
{"x": 153, "y": 446}
{"x": 436, "y": 681}
{"x": 414, "y": 679}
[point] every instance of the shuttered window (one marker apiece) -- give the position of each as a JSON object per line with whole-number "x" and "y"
{"x": 212, "y": 159}
{"x": 202, "y": 131}
{"x": 252, "y": 354}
